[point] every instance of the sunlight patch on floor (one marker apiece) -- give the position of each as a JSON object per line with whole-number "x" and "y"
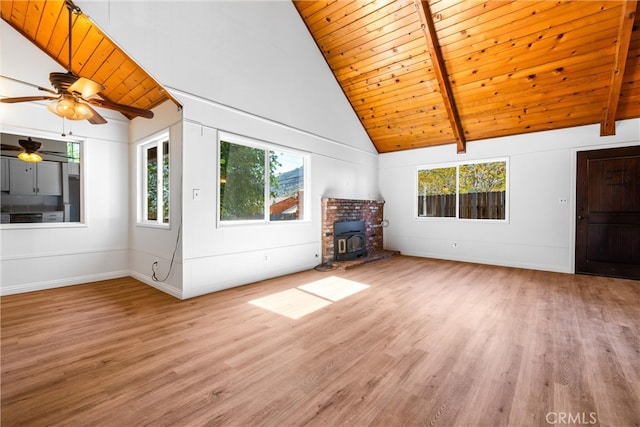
{"x": 298, "y": 302}
{"x": 333, "y": 288}
{"x": 292, "y": 303}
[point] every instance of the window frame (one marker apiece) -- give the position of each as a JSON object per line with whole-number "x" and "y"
{"x": 158, "y": 141}
{"x": 417, "y": 190}
{"x": 82, "y": 176}
{"x": 457, "y": 166}
{"x": 268, "y": 147}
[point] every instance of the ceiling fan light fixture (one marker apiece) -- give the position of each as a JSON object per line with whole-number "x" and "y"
{"x": 30, "y": 154}
{"x": 30, "y": 157}
{"x": 65, "y": 106}
{"x": 82, "y": 111}
{"x": 69, "y": 108}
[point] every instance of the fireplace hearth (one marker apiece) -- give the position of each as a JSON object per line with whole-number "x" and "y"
{"x": 350, "y": 240}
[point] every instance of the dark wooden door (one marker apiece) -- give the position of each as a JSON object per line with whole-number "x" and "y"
{"x": 608, "y": 212}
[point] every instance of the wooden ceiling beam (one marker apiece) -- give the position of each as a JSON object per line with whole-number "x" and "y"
{"x": 608, "y": 124}
{"x": 429, "y": 31}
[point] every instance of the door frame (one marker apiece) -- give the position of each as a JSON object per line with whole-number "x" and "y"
{"x": 574, "y": 182}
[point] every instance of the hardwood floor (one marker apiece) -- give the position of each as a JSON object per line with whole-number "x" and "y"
{"x": 429, "y": 342}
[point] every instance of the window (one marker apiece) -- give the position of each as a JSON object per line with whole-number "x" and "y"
{"x": 437, "y": 192}
{"x": 466, "y": 191}
{"x": 258, "y": 182}
{"x": 47, "y": 191}
{"x": 73, "y": 152}
{"x": 482, "y": 190}
{"x": 154, "y": 176}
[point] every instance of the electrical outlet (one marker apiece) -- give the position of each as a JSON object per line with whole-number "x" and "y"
{"x": 196, "y": 194}
{"x": 562, "y": 200}
{"x": 455, "y": 244}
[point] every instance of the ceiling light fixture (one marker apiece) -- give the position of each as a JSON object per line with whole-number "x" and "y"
{"x": 30, "y": 154}
{"x": 70, "y": 108}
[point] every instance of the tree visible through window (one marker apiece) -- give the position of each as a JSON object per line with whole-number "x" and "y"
{"x": 467, "y": 191}
{"x": 260, "y": 184}
{"x": 437, "y": 192}
{"x": 155, "y": 159}
{"x": 242, "y": 181}
{"x": 482, "y": 190}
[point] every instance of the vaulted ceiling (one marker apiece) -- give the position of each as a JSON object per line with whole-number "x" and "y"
{"x": 94, "y": 55}
{"x": 424, "y": 73}
{"x": 419, "y": 73}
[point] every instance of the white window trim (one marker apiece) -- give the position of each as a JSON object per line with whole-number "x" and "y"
{"x": 156, "y": 140}
{"x": 457, "y": 166}
{"x": 268, "y": 146}
{"x": 83, "y": 222}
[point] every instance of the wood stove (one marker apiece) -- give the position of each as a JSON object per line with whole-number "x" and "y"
{"x": 349, "y": 240}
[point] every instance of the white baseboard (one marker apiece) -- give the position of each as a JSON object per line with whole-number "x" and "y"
{"x": 51, "y": 284}
{"x": 79, "y": 280}
{"x": 158, "y": 285}
{"x": 477, "y": 260}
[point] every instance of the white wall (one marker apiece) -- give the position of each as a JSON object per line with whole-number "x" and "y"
{"x": 540, "y": 232}
{"x": 218, "y": 257}
{"x": 49, "y": 255}
{"x": 254, "y": 56}
{"x": 249, "y": 68}
{"x": 252, "y": 69}
{"x": 157, "y": 244}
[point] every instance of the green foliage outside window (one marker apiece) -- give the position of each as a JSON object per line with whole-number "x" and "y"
{"x": 437, "y": 181}
{"x": 437, "y": 192}
{"x": 483, "y": 177}
{"x": 247, "y": 187}
{"x": 242, "y": 177}
{"x": 152, "y": 183}
{"x": 480, "y": 191}
{"x": 73, "y": 152}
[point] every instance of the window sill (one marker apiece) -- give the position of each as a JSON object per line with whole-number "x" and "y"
{"x": 41, "y": 225}
{"x": 154, "y": 225}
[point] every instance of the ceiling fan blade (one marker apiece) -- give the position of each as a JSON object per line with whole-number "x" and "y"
{"x": 7, "y": 147}
{"x": 124, "y": 109}
{"x": 30, "y": 84}
{"x": 96, "y": 119}
{"x": 53, "y": 153}
{"x": 27, "y": 99}
{"x": 86, "y": 87}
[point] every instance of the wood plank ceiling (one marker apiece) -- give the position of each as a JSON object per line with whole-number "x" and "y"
{"x": 424, "y": 73}
{"x": 95, "y": 55}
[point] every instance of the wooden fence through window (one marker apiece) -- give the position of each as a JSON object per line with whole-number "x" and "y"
{"x": 486, "y": 205}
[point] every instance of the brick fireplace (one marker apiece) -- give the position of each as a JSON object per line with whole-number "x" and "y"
{"x": 338, "y": 210}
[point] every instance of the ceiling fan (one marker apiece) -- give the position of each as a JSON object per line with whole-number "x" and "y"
{"x": 30, "y": 151}
{"x": 74, "y": 94}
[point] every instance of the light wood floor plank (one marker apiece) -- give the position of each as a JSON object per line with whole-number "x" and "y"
{"x": 429, "y": 342}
